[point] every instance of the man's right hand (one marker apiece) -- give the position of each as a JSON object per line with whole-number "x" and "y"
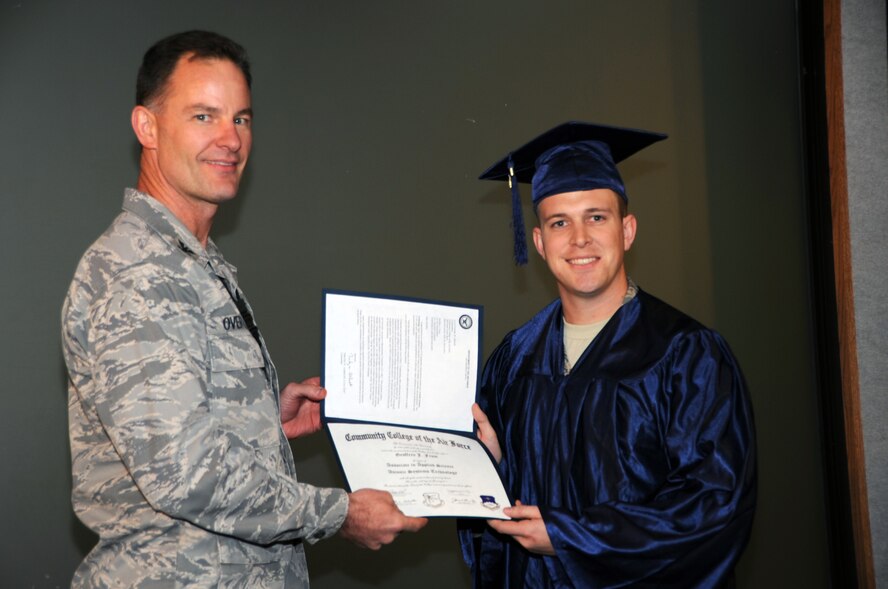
{"x": 374, "y": 520}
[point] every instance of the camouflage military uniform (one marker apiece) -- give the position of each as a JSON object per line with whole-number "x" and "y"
{"x": 179, "y": 461}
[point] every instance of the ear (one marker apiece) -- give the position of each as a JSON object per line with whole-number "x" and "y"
{"x": 538, "y": 242}
{"x": 630, "y": 225}
{"x": 145, "y": 126}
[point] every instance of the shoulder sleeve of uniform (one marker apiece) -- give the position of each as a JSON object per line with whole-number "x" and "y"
{"x": 152, "y": 394}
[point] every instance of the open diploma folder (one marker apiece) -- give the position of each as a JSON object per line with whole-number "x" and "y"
{"x": 401, "y": 377}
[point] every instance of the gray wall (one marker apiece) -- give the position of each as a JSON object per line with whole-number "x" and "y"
{"x": 865, "y": 71}
{"x": 373, "y": 120}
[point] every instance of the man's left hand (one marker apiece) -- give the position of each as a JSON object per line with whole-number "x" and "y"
{"x": 300, "y": 407}
{"x": 527, "y": 527}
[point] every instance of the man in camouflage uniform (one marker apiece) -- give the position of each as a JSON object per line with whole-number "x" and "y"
{"x": 178, "y": 427}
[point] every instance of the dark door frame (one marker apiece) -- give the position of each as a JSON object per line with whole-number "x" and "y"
{"x": 826, "y": 193}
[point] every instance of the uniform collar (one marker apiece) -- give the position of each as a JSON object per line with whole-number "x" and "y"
{"x": 163, "y": 222}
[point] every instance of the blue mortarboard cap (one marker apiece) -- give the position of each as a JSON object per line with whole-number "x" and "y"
{"x": 570, "y": 157}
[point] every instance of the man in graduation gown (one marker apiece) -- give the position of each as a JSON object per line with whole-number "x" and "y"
{"x": 622, "y": 427}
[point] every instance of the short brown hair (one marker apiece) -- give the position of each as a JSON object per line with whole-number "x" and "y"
{"x": 160, "y": 60}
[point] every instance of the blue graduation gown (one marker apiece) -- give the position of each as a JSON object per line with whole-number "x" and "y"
{"x": 641, "y": 460}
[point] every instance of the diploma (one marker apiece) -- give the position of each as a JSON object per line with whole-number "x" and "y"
{"x": 401, "y": 376}
{"x": 428, "y": 473}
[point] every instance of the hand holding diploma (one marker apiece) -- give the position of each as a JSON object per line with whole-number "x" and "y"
{"x": 527, "y": 527}
{"x": 486, "y": 433}
{"x": 301, "y": 407}
{"x": 374, "y": 520}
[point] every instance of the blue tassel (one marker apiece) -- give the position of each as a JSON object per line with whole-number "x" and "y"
{"x": 517, "y": 219}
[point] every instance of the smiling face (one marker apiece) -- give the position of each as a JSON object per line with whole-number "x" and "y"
{"x": 583, "y": 240}
{"x": 197, "y": 136}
